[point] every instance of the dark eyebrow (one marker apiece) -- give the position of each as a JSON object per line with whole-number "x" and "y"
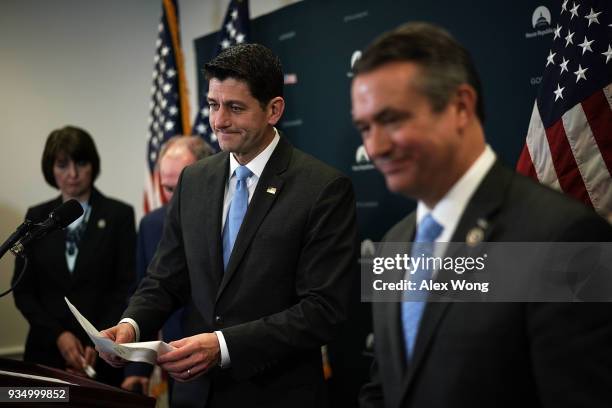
{"x": 384, "y": 115}
{"x": 390, "y": 113}
{"x": 226, "y": 103}
{"x": 231, "y": 102}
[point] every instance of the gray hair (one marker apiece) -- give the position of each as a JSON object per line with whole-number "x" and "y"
{"x": 195, "y": 144}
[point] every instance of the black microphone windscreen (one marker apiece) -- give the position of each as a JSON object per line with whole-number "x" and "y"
{"x": 66, "y": 213}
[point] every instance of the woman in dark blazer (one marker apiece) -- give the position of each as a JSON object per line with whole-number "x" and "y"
{"x": 91, "y": 262}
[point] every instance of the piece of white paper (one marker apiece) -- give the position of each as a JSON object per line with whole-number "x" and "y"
{"x": 142, "y": 352}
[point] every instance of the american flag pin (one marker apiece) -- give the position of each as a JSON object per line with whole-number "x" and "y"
{"x": 474, "y": 236}
{"x": 271, "y": 190}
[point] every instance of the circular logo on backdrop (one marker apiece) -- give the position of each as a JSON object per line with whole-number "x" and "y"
{"x": 541, "y": 18}
{"x": 367, "y": 248}
{"x": 361, "y": 156}
{"x": 362, "y": 160}
{"x": 541, "y": 21}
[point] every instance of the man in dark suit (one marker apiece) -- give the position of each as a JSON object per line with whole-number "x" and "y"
{"x": 417, "y": 102}
{"x": 175, "y": 154}
{"x": 259, "y": 243}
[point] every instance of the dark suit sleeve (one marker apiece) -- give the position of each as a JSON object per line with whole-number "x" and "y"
{"x": 167, "y": 281}
{"x": 571, "y": 351}
{"x": 325, "y": 268}
{"x": 125, "y": 246}
{"x": 27, "y": 298}
{"x": 371, "y": 394}
{"x": 571, "y": 345}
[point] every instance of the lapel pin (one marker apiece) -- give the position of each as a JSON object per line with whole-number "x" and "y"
{"x": 474, "y": 236}
{"x": 101, "y": 223}
{"x": 271, "y": 190}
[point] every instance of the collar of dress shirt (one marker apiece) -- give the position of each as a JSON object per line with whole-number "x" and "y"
{"x": 259, "y": 162}
{"x": 449, "y": 209}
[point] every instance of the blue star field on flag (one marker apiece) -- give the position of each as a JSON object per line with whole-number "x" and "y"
{"x": 235, "y": 30}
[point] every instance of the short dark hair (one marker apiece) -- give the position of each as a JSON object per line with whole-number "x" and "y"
{"x": 446, "y": 64}
{"x": 254, "y": 64}
{"x": 74, "y": 142}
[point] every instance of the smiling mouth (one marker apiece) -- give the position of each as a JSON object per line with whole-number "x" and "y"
{"x": 225, "y": 135}
{"x": 391, "y": 167}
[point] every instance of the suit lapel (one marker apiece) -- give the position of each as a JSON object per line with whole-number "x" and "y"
{"x": 396, "y": 335}
{"x": 431, "y": 317}
{"x": 96, "y": 226}
{"x": 215, "y": 187}
{"x": 269, "y": 187}
{"x": 484, "y": 204}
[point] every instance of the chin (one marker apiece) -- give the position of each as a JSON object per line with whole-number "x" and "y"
{"x": 399, "y": 186}
{"x": 395, "y": 183}
{"x": 224, "y": 145}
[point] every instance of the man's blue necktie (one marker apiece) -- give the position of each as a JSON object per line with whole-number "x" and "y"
{"x": 412, "y": 311}
{"x": 237, "y": 210}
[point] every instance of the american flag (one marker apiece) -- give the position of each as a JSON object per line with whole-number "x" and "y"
{"x": 235, "y": 30}
{"x": 569, "y": 141}
{"x": 169, "y": 106}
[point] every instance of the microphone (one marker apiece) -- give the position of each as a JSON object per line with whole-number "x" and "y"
{"x": 59, "y": 218}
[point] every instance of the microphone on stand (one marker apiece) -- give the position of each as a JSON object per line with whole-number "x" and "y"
{"x": 27, "y": 232}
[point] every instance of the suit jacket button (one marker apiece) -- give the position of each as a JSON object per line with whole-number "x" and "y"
{"x": 218, "y": 319}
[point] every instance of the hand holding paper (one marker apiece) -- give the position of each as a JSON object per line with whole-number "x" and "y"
{"x": 192, "y": 357}
{"x": 122, "y": 333}
{"x": 114, "y": 353}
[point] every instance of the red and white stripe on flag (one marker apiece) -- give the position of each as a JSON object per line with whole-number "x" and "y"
{"x": 574, "y": 155}
{"x": 168, "y": 107}
{"x": 569, "y": 140}
{"x": 153, "y": 198}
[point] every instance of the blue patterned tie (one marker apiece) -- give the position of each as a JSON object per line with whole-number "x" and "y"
{"x": 236, "y": 212}
{"x": 412, "y": 311}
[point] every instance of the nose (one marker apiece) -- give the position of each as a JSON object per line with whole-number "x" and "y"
{"x": 73, "y": 170}
{"x": 220, "y": 118}
{"x": 378, "y": 143}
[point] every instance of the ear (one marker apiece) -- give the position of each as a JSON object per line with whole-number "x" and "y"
{"x": 465, "y": 104}
{"x": 275, "y": 109}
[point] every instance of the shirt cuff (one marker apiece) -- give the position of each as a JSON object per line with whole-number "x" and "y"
{"x": 225, "y": 358}
{"x": 134, "y": 325}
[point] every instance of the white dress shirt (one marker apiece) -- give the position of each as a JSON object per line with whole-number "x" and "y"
{"x": 84, "y": 218}
{"x": 256, "y": 166}
{"x": 449, "y": 210}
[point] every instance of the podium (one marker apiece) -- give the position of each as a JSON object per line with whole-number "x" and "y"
{"x": 83, "y": 392}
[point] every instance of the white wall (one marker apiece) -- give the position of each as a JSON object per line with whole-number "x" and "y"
{"x": 86, "y": 63}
